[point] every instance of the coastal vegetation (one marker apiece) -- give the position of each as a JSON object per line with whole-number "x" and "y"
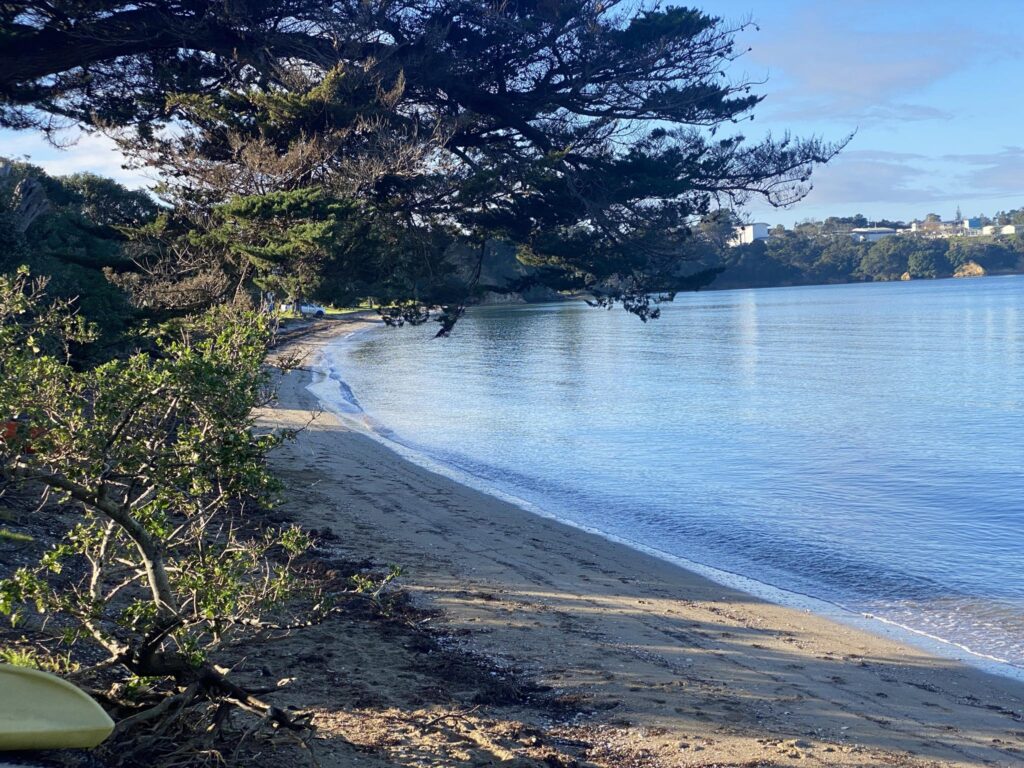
{"x": 72, "y": 229}
{"x": 152, "y": 463}
{"x": 342, "y": 149}
{"x": 817, "y": 252}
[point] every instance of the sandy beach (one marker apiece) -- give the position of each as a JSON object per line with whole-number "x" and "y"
{"x": 645, "y": 657}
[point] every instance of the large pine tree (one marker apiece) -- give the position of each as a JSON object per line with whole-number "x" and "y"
{"x": 589, "y": 133}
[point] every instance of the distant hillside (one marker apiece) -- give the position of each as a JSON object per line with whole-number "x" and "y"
{"x": 70, "y": 229}
{"x": 804, "y": 258}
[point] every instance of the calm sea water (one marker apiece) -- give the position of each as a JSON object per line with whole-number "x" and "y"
{"x": 861, "y": 444}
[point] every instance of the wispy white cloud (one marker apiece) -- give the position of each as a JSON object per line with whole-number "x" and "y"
{"x": 870, "y": 177}
{"x": 902, "y": 179}
{"x": 881, "y": 155}
{"x": 850, "y": 63}
{"x": 992, "y": 172}
{"x": 83, "y": 152}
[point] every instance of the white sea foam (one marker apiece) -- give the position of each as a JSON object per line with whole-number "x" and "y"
{"x": 327, "y": 384}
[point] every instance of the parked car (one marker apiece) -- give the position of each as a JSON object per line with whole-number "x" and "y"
{"x": 315, "y": 310}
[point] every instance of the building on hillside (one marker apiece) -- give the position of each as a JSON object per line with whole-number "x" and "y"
{"x": 934, "y": 228}
{"x": 1002, "y": 229}
{"x": 749, "y": 233}
{"x": 871, "y": 234}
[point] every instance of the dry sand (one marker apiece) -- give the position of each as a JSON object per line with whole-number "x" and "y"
{"x": 652, "y": 660}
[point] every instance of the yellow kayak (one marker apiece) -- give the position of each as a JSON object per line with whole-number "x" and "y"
{"x": 40, "y": 711}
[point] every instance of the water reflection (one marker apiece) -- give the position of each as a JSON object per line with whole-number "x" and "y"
{"x": 858, "y": 443}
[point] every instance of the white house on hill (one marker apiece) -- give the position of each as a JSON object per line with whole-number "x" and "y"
{"x": 870, "y": 234}
{"x": 1002, "y": 229}
{"x": 749, "y": 233}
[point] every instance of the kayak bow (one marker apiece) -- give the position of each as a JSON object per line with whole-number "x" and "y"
{"x": 41, "y": 711}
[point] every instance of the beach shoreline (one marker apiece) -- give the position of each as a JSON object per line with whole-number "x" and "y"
{"x": 327, "y": 381}
{"x": 649, "y": 649}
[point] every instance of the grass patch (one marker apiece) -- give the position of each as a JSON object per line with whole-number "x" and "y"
{"x": 17, "y": 657}
{"x": 57, "y": 664}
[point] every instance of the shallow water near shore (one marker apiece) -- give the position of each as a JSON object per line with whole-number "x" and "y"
{"x": 859, "y": 444}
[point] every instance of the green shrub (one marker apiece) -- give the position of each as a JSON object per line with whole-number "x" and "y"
{"x": 157, "y": 458}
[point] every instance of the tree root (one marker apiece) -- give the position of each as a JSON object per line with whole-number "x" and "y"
{"x": 197, "y": 715}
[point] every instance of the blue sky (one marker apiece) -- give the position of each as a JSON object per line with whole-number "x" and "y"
{"x": 934, "y": 90}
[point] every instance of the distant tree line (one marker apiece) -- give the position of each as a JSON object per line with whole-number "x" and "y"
{"x": 824, "y": 252}
{"x": 87, "y": 234}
